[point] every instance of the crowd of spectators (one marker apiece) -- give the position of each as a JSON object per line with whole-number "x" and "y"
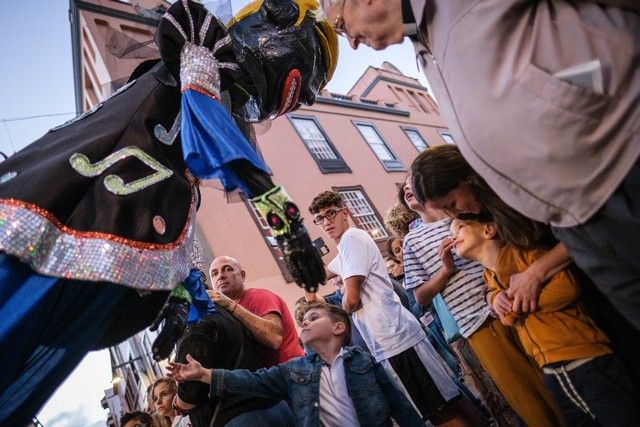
{"x": 430, "y": 328}
{"x": 430, "y": 324}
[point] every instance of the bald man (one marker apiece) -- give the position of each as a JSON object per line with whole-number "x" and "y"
{"x": 261, "y": 311}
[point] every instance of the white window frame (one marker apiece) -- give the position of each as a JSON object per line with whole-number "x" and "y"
{"x": 363, "y": 212}
{"x": 321, "y": 149}
{"x": 409, "y": 131}
{"x": 390, "y": 164}
{"x": 447, "y": 137}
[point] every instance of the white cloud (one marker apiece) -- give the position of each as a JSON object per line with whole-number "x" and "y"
{"x": 76, "y": 418}
{"x": 77, "y": 402}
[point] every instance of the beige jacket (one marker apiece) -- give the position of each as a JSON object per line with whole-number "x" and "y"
{"x": 552, "y": 150}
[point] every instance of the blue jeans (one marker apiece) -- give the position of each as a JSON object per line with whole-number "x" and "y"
{"x": 279, "y": 414}
{"x": 596, "y": 393}
{"x": 439, "y": 343}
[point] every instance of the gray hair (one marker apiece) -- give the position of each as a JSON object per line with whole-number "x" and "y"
{"x": 324, "y": 4}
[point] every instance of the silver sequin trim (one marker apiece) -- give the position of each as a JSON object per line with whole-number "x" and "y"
{"x": 185, "y": 4}
{"x": 114, "y": 183}
{"x": 93, "y": 109}
{"x": 37, "y": 242}
{"x": 80, "y": 117}
{"x": 173, "y": 21}
{"x": 228, "y": 65}
{"x": 197, "y": 254}
{"x": 205, "y": 28}
{"x": 199, "y": 68}
{"x": 221, "y": 43}
{"x": 165, "y": 137}
{"x": 292, "y": 91}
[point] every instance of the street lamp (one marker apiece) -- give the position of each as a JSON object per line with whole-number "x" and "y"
{"x": 130, "y": 361}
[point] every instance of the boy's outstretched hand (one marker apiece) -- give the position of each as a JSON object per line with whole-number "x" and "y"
{"x": 191, "y": 371}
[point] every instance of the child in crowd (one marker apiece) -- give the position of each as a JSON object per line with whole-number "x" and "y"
{"x": 163, "y": 391}
{"x": 136, "y": 418}
{"x": 332, "y": 385}
{"x": 392, "y": 334}
{"x": 490, "y": 355}
{"x": 589, "y": 383}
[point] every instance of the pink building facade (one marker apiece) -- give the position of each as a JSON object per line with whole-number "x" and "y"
{"x": 360, "y": 144}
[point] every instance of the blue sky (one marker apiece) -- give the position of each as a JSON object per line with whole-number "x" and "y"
{"x": 37, "y": 79}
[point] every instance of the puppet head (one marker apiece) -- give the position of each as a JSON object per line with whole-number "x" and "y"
{"x": 286, "y": 54}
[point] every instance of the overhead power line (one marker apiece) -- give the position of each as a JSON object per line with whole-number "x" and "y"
{"x": 37, "y": 116}
{"x": 16, "y": 119}
{"x": 10, "y": 139}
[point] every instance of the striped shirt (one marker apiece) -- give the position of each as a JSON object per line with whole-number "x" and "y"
{"x": 462, "y": 292}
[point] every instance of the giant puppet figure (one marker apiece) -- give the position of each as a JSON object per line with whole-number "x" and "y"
{"x": 97, "y": 216}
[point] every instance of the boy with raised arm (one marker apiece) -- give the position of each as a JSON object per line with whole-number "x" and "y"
{"x": 333, "y": 385}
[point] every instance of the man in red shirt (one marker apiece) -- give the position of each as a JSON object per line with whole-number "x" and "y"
{"x": 261, "y": 311}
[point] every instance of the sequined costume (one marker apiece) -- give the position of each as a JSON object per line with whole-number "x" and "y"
{"x": 96, "y": 217}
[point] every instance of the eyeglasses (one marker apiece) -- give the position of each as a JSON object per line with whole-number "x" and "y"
{"x": 338, "y": 24}
{"x": 330, "y": 214}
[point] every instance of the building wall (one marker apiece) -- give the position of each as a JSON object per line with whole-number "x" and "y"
{"x": 382, "y": 97}
{"x": 95, "y": 24}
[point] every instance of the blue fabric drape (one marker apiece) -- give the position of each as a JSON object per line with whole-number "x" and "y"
{"x": 201, "y": 304}
{"x": 211, "y": 141}
{"x": 47, "y": 325}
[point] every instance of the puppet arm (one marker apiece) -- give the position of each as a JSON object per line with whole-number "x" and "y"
{"x": 301, "y": 257}
{"x": 174, "y": 315}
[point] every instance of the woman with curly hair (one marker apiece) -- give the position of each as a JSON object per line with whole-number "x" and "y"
{"x": 397, "y": 220}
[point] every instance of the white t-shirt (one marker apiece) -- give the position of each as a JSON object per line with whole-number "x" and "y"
{"x": 385, "y": 325}
{"x": 336, "y": 406}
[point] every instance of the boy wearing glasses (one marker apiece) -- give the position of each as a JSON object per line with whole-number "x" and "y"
{"x": 392, "y": 334}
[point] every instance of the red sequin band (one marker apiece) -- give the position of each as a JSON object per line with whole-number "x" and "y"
{"x": 199, "y": 90}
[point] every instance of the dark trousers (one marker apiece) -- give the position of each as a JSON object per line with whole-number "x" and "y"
{"x": 418, "y": 382}
{"x": 597, "y": 393}
{"x": 625, "y": 339}
{"x": 607, "y": 247}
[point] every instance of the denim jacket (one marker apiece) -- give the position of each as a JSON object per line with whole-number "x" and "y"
{"x": 374, "y": 396}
